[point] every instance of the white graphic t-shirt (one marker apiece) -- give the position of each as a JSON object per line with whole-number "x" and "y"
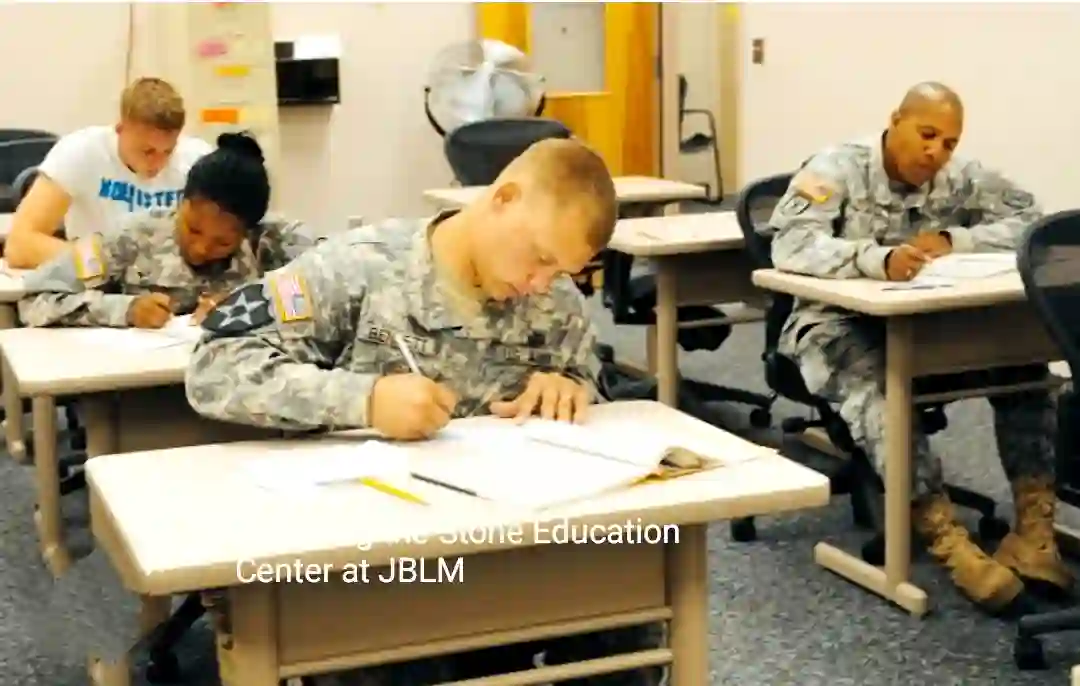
{"x": 86, "y": 163}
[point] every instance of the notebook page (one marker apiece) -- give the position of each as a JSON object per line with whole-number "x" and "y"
{"x": 506, "y": 467}
{"x": 961, "y": 266}
{"x": 314, "y": 466}
{"x": 625, "y": 443}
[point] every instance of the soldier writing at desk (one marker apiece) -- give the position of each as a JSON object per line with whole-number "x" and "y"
{"x": 482, "y": 301}
{"x": 882, "y": 208}
{"x": 158, "y": 263}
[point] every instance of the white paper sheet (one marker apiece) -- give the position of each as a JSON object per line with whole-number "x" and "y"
{"x": 311, "y": 467}
{"x": 964, "y": 266}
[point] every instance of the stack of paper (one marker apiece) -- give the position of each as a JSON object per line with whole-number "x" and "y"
{"x": 182, "y": 328}
{"x": 964, "y": 266}
{"x": 177, "y": 331}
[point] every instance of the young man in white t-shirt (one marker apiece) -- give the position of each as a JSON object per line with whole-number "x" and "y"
{"x": 92, "y": 178}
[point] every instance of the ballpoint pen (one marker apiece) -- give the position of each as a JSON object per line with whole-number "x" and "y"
{"x": 407, "y": 354}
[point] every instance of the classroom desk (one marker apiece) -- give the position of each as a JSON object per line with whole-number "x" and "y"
{"x": 975, "y": 324}
{"x": 148, "y": 514}
{"x": 630, "y": 190}
{"x": 11, "y": 290}
{"x": 698, "y": 260}
{"x": 130, "y": 400}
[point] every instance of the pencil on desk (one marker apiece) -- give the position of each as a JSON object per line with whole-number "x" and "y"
{"x": 392, "y": 491}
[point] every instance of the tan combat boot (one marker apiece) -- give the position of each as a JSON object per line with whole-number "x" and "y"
{"x": 1030, "y": 550}
{"x": 985, "y": 582}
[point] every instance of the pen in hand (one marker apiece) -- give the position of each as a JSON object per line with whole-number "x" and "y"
{"x": 407, "y": 354}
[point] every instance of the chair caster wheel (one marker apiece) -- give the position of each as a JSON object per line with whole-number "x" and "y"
{"x": 1028, "y": 653}
{"x": 760, "y": 418}
{"x": 163, "y": 668}
{"x": 993, "y": 528}
{"x": 743, "y": 530}
{"x": 873, "y": 551}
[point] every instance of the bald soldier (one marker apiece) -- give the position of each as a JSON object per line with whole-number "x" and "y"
{"x": 882, "y": 208}
{"x": 480, "y": 299}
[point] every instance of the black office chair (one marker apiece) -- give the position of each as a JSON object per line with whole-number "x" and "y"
{"x": 855, "y": 475}
{"x": 1049, "y": 263}
{"x": 478, "y": 152}
{"x": 20, "y": 154}
{"x": 700, "y": 142}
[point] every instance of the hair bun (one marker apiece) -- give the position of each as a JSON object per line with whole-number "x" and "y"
{"x": 242, "y": 143}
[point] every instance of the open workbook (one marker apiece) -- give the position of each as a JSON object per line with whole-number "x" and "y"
{"x": 536, "y": 464}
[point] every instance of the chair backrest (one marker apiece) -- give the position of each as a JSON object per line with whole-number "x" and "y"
{"x": 17, "y": 155}
{"x": 1049, "y": 262}
{"x": 753, "y": 210}
{"x": 8, "y": 135}
{"x": 478, "y": 152}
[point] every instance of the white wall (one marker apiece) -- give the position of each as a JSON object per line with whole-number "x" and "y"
{"x": 833, "y": 72}
{"x": 372, "y": 155}
{"x": 697, "y": 57}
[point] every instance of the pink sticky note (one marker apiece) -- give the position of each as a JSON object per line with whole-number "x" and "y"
{"x": 212, "y": 48}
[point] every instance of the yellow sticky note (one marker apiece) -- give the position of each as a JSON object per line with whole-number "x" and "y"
{"x": 232, "y": 70}
{"x": 220, "y": 115}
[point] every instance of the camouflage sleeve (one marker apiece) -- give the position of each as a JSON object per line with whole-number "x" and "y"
{"x": 1005, "y": 210}
{"x": 281, "y": 241}
{"x": 569, "y": 335}
{"x": 71, "y": 289}
{"x": 268, "y": 356}
{"x": 805, "y": 241}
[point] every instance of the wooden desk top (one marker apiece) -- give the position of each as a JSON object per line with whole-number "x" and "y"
{"x": 629, "y": 189}
{"x": 150, "y": 510}
{"x": 68, "y": 361}
{"x": 677, "y": 234}
{"x": 881, "y": 299}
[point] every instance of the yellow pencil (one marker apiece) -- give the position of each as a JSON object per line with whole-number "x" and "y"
{"x": 392, "y": 491}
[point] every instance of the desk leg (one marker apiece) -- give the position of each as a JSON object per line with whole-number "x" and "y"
{"x": 13, "y": 412}
{"x": 688, "y": 596}
{"x": 14, "y": 435}
{"x": 48, "y": 516}
{"x": 892, "y": 582}
{"x": 667, "y": 351}
{"x": 99, "y": 415}
{"x": 247, "y": 646}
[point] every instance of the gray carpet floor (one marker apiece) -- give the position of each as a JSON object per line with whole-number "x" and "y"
{"x": 776, "y": 618}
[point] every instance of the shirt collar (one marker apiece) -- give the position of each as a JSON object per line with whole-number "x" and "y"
{"x": 434, "y": 301}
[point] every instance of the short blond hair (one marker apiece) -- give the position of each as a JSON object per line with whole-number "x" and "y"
{"x": 153, "y": 102}
{"x": 570, "y": 174}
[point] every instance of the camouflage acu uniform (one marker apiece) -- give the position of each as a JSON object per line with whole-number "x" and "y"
{"x": 845, "y": 229}
{"x": 303, "y": 348}
{"x": 95, "y": 283}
